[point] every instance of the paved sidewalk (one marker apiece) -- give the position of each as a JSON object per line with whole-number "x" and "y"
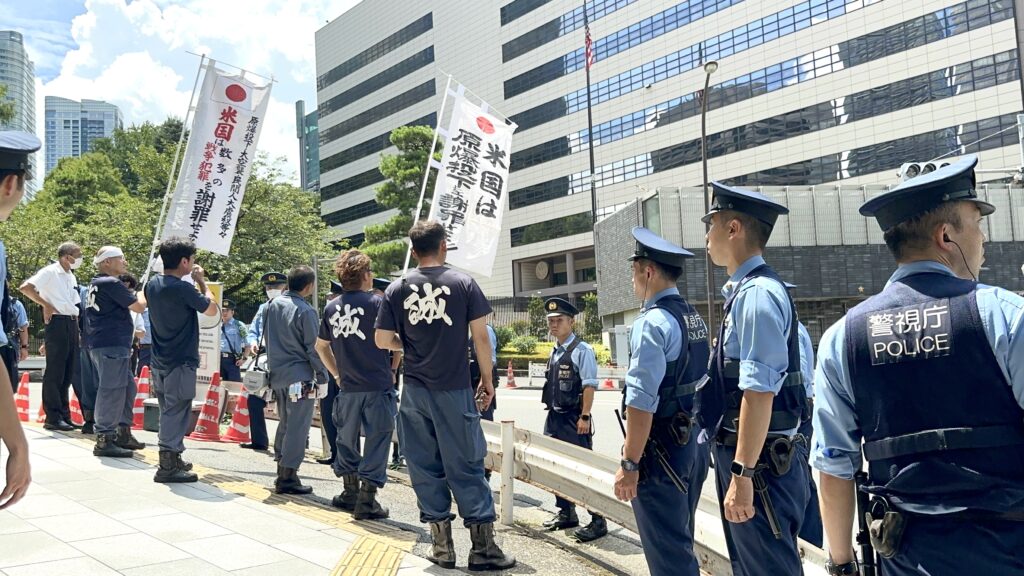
{"x": 105, "y": 516}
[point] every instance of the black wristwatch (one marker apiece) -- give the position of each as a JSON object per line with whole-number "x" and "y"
{"x": 738, "y": 469}
{"x": 848, "y": 569}
{"x": 628, "y": 465}
{"x": 585, "y": 417}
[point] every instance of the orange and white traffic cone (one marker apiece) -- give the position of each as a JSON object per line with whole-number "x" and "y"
{"x": 607, "y": 384}
{"x": 141, "y": 393}
{"x": 77, "y": 418}
{"x": 239, "y": 429}
{"x": 208, "y": 425}
{"x": 21, "y": 399}
{"x": 41, "y": 417}
{"x": 510, "y": 382}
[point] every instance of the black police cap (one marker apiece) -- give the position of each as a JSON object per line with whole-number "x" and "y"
{"x": 750, "y": 202}
{"x": 650, "y": 246}
{"x": 559, "y": 307}
{"x": 227, "y": 304}
{"x": 15, "y": 148}
{"x": 336, "y": 288}
{"x": 381, "y": 284}
{"x": 916, "y": 196}
{"x": 272, "y": 278}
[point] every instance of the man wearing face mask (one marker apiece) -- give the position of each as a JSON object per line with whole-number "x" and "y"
{"x": 55, "y": 289}
{"x": 273, "y": 284}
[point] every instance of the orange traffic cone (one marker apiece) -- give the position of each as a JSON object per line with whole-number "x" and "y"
{"x": 239, "y": 429}
{"x": 511, "y": 381}
{"x": 21, "y": 399}
{"x": 142, "y": 392}
{"x": 208, "y": 425}
{"x": 41, "y": 417}
{"x": 607, "y": 384}
{"x": 77, "y": 418}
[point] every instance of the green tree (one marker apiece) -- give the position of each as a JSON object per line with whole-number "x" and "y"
{"x": 537, "y": 316}
{"x": 7, "y": 110}
{"x": 32, "y": 234}
{"x": 142, "y": 155}
{"x": 592, "y": 319}
{"x": 384, "y": 242}
{"x": 76, "y": 182}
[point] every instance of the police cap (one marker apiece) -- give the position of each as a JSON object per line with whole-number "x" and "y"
{"x": 381, "y": 284}
{"x": 273, "y": 278}
{"x": 227, "y": 304}
{"x": 336, "y": 288}
{"x": 559, "y": 307}
{"x": 15, "y": 148}
{"x": 744, "y": 201}
{"x": 918, "y": 195}
{"x": 652, "y": 247}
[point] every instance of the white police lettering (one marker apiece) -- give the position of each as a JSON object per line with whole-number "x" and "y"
{"x": 695, "y": 327}
{"x": 916, "y": 332}
{"x": 90, "y": 298}
{"x": 347, "y": 325}
{"x": 429, "y": 306}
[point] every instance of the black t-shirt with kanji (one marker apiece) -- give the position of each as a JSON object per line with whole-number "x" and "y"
{"x": 108, "y": 321}
{"x": 348, "y": 325}
{"x": 431, "y": 309}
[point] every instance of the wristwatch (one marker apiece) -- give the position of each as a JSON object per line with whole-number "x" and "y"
{"x": 738, "y": 469}
{"x": 628, "y": 465}
{"x": 833, "y": 569}
{"x": 585, "y": 417}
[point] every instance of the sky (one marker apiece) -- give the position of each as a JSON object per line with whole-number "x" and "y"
{"x": 135, "y": 54}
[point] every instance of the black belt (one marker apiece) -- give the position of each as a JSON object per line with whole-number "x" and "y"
{"x": 64, "y": 316}
{"x": 942, "y": 439}
{"x": 144, "y": 346}
{"x": 227, "y": 355}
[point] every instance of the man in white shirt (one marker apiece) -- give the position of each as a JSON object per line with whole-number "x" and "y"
{"x": 55, "y": 288}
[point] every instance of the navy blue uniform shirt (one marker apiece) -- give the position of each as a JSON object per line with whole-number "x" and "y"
{"x": 108, "y": 322}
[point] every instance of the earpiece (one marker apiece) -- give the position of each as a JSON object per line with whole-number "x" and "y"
{"x": 945, "y": 238}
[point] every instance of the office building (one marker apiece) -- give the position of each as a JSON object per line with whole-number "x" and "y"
{"x": 806, "y": 93}
{"x": 309, "y": 148}
{"x": 72, "y": 126}
{"x": 17, "y": 73}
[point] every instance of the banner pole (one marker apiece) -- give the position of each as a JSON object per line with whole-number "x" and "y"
{"x": 170, "y": 176}
{"x": 426, "y": 173}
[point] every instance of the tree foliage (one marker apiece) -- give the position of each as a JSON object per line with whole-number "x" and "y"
{"x": 385, "y": 242}
{"x": 7, "y": 110}
{"x": 142, "y": 155}
{"x": 591, "y": 319}
{"x": 538, "y": 318}
{"x": 76, "y": 182}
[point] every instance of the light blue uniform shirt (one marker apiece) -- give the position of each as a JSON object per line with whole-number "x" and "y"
{"x": 3, "y": 278}
{"x": 20, "y": 316}
{"x": 256, "y": 327}
{"x": 493, "y": 337}
{"x": 762, "y": 309}
{"x": 147, "y": 338}
{"x": 583, "y": 358}
{"x": 806, "y": 359}
{"x": 837, "y": 436}
{"x": 231, "y": 336}
{"x": 655, "y": 340}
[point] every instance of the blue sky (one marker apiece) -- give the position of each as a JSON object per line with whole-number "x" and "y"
{"x": 135, "y": 53}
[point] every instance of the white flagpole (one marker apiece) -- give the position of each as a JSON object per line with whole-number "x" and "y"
{"x": 426, "y": 173}
{"x": 174, "y": 166}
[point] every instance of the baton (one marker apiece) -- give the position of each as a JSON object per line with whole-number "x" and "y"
{"x": 654, "y": 446}
{"x": 766, "y": 502}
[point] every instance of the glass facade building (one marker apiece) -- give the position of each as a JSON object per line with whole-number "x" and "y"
{"x": 71, "y": 126}
{"x": 807, "y": 93}
{"x": 309, "y": 147}
{"x": 18, "y": 74}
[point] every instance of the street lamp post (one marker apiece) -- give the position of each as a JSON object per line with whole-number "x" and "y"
{"x": 709, "y": 69}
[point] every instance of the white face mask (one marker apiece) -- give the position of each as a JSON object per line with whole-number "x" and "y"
{"x": 78, "y": 262}
{"x": 273, "y": 293}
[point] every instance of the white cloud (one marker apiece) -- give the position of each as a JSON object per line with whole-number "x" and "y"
{"x": 134, "y": 54}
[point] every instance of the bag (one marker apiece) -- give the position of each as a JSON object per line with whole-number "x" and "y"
{"x": 257, "y": 380}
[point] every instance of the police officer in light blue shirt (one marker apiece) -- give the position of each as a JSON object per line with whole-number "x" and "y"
{"x": 232, "y": 350}
{"x": 668, "y": 357}
{"x": 274, "y": 284}
{"x": 755, "y": 400}
{"x": 929, "y": 375}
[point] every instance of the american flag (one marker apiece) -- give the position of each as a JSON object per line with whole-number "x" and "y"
{"x": 589, "y": 46}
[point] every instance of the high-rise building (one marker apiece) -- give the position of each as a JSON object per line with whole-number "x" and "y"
{"x": 17, "y": 73}
{"x": 309, "y": 148}
{"x": 806, "y": 92}
{"x": 72, "y": 126}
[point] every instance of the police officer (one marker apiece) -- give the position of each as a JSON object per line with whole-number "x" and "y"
{"x": 755, "y": 400}
{"x": 273, "y": 284}
{"x": 568, "y": 397}
{"x": 327, "y": 423}
{"x": 930, "y": 375}
{"x": 15, "y": 169}
{"x": 367, "y": 401}
{"x": 668, "y": 356}
{"x": 428, "y": 312}
{"x": 474, "y": 371}
{"x": 232, "y": 348}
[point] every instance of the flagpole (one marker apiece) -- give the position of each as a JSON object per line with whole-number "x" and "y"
{"x": 590, "y": 119}
{"x": 426, "y": 172}
{"x": 170, "y": 176}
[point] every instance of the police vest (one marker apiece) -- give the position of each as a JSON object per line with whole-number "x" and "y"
{"x": 939, "y": 419}
{"x": 682, "y": 375}
{"x": 563, "y": 386}
{"x": 719, "y": 397}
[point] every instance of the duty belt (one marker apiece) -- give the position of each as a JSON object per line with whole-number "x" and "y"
{"x": 942, "y": 439}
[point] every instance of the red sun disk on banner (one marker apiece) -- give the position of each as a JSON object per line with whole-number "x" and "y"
{"x": 485, "y": 125}
{"x": 235, "y": 93}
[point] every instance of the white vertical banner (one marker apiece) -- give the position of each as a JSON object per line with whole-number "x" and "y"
{"x": 230, "y": 112}
{"x": 471, "y": 190}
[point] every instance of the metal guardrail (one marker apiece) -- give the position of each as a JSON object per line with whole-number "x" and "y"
{"x": 587, "y": 478}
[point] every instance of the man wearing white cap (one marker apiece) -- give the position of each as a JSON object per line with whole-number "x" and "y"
{"x": 108, "y": 325}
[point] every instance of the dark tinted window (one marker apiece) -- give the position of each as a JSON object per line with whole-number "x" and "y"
{"x": 550, "y": 229}
{"x": 376, "y": 51}
{"x": 375, "y": 144}
{"x": 353, "y": 213}
{"x": 378, "y": 81}
{"x": 378, "y": 112}
{"x": 351, "y": 184}
{"x": 518, "y": 8}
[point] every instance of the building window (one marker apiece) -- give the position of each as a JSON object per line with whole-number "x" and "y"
{"x": 586, "y": 275}
{"x": 378, "y": 112}
{"x": 376, "y": 51}
{"x": 351, "y": 184}
{"x": 550, "y": 229}
{"x": 564, "y": 24}
{"x": 375, "y": 144}
{"x": 519, "y": 8}
{"x": 353, "y": 213}
{"x": 378, "y": 81}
